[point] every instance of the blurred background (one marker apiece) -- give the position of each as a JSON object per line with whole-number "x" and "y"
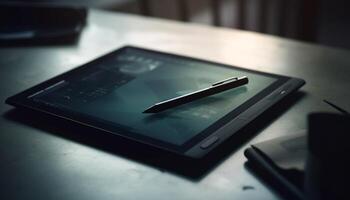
{"x": 324, "y": 22}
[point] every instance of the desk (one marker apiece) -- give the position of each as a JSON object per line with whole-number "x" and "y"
{"x": 36, "y": 164}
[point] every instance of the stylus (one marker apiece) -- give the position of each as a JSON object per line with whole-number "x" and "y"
{"x": 215, "y": 88}
{"x": 337, "y": 107}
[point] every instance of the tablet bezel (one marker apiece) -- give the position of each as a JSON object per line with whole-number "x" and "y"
{"x": 192, "y": 147}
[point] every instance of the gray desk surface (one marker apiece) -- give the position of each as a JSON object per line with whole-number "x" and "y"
{"x": 36, "y": 164}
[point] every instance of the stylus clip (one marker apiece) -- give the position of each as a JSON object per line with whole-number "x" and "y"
{"x": 227, "y": 80}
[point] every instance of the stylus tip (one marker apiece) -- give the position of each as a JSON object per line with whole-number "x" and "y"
{"x": 149, "y": 110}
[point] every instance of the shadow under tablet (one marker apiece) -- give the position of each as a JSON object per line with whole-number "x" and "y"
{"x": 163, "y": 160}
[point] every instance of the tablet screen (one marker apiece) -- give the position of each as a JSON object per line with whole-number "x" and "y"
{"x": 116, "y": 91}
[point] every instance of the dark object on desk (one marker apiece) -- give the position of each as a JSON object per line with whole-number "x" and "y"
{"x": 316, "y": 168}
{"x": 37, "y": 22}
{"x": 327, "y": 172}
{"x": 280, "y": 162}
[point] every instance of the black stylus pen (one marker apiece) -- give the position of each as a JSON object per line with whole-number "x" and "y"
{"x": 337, "y": 107}
{"x": 215, "y": 88}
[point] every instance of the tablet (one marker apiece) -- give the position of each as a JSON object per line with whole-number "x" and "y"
{"x": 111, "y": 93}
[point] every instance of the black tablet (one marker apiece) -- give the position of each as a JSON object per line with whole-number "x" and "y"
{"x": 111, "y": 93}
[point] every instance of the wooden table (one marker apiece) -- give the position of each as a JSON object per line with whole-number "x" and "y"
{"x": 36, "y": 163}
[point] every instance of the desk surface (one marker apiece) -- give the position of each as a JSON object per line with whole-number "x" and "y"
{"x": 36, "y": 164}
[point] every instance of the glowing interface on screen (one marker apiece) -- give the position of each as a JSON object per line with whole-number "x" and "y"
{"x": 121, "y": 88}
